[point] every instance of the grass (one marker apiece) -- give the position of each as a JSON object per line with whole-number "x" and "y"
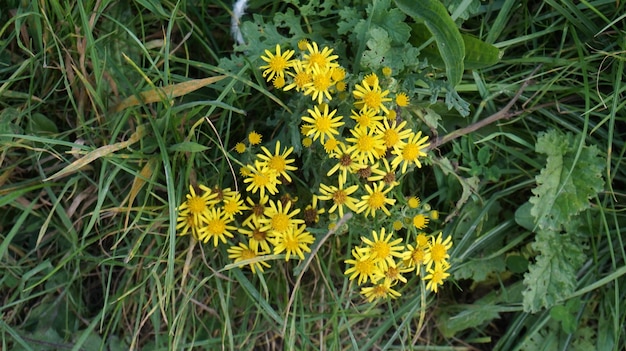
{"x": 90, "y": 256}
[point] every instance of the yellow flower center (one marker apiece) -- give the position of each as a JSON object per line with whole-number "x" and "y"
{"x": 339, "y": 197}
{"x": 376, "y": 200}
{"x": 365, "y": 267}
{"x": 301, "y": 79}
{"x": 277, "y": 163}
{"x": 323, "y": 124}
{"x": 196, "y": 205}
{"x": 417, "y": 255}
{"x": 278, "y": 64}
{"x": 380, "y": 290}
{"x": 280, "y": 222}
{"x": 365, "y": 143}
{"x": 321, "y": 82}
{"x": 380, "y": 249}
{"x": 420, "y": 221}
{"x": 392, "y": 273}
{"x": 372, "y": 99}
{"x": 231, "y": 207}
{"x": 389, "y": 178}
{"x": 422, "y": 240}
{"x": 391, "y": 137}
{"x": 258, "y": 235}
{"x": 410, "y": 152}
{"x": 291, "y": 243}
{"x": 438, "y": 252}
{"x": 318, "y": 59}
{"x": 261, "y": 180}
{"x": 247, "y": 254}
{"x": 216, "y": 226}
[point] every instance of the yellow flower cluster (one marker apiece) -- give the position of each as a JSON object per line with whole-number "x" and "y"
{"x": 268, "y": 224}
{"x": 369, "y": 151}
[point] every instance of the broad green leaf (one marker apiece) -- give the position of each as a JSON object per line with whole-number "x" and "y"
{"x": 472, "y": 316}
{"x": 523, "y": 218}
{"x": 188, "y": 146}
{"x": 447, "y": 36}
{"x": 516, "y": 263}
{"x": 39, "y": 124}
{"x": 478, "y": 54}
{"x": 567, "y": 181}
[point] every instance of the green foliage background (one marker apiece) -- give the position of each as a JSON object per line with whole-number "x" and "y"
{"x": 533, "y": 201}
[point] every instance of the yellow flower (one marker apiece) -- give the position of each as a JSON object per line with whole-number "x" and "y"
{"x": 316, "y": 59}
{"x": 420, "y": 221}
{"x": 371, "y": 96}
{"x": 302, "y": 44}
{"x": 387, "y": 71}
{"x": 276, "y": 63}
{"x": 185, "y": 223}
{"x": 437, "y": 252}
{"x": 307, "y": 142}
{"x": 197, "y": 206}
{"x": 257, "y": 236}
{"x": 393, "y": 273}
{"x": 323, "y": 124}
{"x": 402, "y": 99}
{"x": 320, "y": 85}
{"x": 262, "y": 179}
{"x": 301, "y": 77}
{"x": 394, "y": 134}
{"x": 337, "y": 73}
{"x": 379, "y": 291}
{"x": 254, "y": 138}
{"x": 257, "y": 209}
{"x": 410, "y": 151}
{"x": 216, "y": 227}
{"x": 295, "y": 242}
{"x": 413, "y": 202}
{"x": 278, "y": 161}
{"x": 436, "y": 276}
{"x": 386, "y": 175}
{"x": 434, "y": 215}
{"x": 374, "y": 200}
{"x": 363, "y": 267}
{"x": 278, "y": 219}
{"x": 397, "y": 225}
{"x": 278, "y": 82}
{"x": 366, "y": 146}
{"x": 233, "y": 204}
{"x": 331, "y": 145}
{"x": 367, "y": 118}
{"x": 242, "y": 252}
{"x": 382, "y": 249}
{"x": 340, "y": 197}
{"x": 371, "y": 79}
{"x": 346, "y": 162}
{"x": 240, "y": 148}
{"x": 413, "y": 256}
{"x": 340, "y": 86}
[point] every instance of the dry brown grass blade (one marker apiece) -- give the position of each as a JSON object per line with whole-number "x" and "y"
{"x": 170, "y": 91}
{"x": 138, "y": 183}
{"x": 97, "y": 153}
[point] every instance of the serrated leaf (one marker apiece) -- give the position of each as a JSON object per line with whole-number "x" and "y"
{"x": 391, "y": 20}
{"x": 568, "y": 180}
{"x": 553, "y": 276}
{"x": 447, "y": 36}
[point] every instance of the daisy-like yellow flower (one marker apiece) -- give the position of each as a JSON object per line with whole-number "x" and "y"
{"x": 257, "y": 209}
{"x": 258, "y": 238}
{"x": 278, "y": 161}
{"x": 331, "y": 145}
{"x": 340, "y": 86}
{"x": 240, "y": 148}
{"x": 185, "y": 223}
{"x": 387, "y": 71}
{"x": 305, "y": 129}
{"x": 371, "y": 96}
{"x": 319, "y": 59}
{"x": 382, "y": 249}
{"x": 436, "y": 276}
{"x": 410, "y": 152}
{"x": 341, "y": 197}
{"x": 413, "y": 202}
{"x": 198, "y": 206}
{"x": 278, "y": 82}
{"x": 363, "y": 267}
{"x": 320, "y": 85}
{"x": 294, "y": 242}
{"x": 371, "y": 79}
{"x": 437, "y": 252}
{"x": 301, "y": 77}
{"x": 387, "y": 175}
{"x": 302, "y": 44}
{"x": 367, "y": 119}
{"x": 366, "y": 145}
{"x": 394, "y": 273}
{"x": 420, "y": 221}
{"x": 278, "y": 219}
{"x": 402, "y": 100}
{"x": 262, "y": 179}
{"x": 323, "y": 124}
{"x": 379, "y": 291}
{"x": 375, "y": 199}
{"x": 217, "y": 227}
{"x": 277, "y": 63}
{"x": 242, "y": 252}
{"x": 393, "y": 133}
{"x": 254, "y": 138}
{"x": 414, "y": 255}
{"x": 346, "y": 162}
{"x": 233, "y": 204}
{"x": 311, "y": 213}
{"x": 337, "y": 73}
{"x": 307, "y": 142}
{"x": 392, "y": 115}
